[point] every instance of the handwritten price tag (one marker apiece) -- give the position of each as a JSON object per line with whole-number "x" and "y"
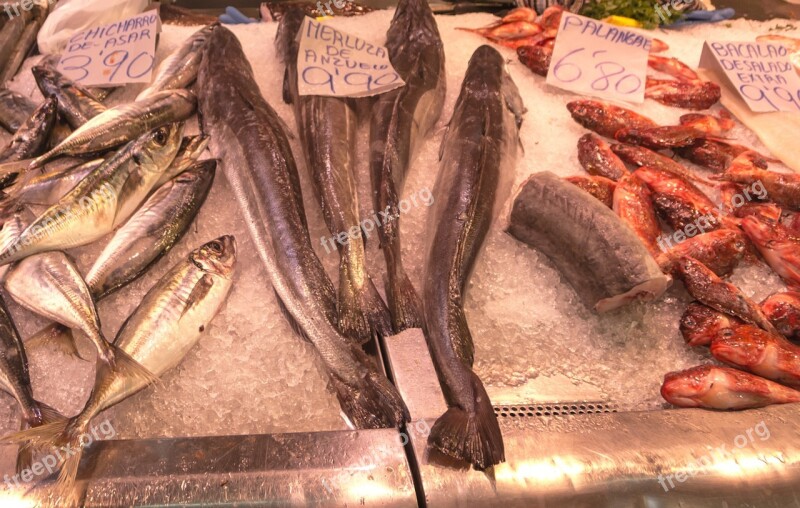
{"x": 761, "y": 72}
{"x": 334, "y": 63}
{"x": 115, "y": 54}
{"x": 594, "y": 58}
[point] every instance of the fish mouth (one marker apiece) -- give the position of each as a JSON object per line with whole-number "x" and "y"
{"x": 217, "y": 256}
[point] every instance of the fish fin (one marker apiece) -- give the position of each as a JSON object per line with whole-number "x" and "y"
{"x": 475, "y": 438}
{"x": 292, "y": 321}
{"x": 378, "y": 315}
{"x": 57, "y": 336}
{"x": 24, "y": 459}
{"x": 62, "y": 435}
{"x": 404, "y": 303}
{"x": 372, "y": 402}
{"x": 287, "y": 94}
{"x": 49, "y": 414}
{"x": 126, "y": 365}
{"x": 444, "y": 141}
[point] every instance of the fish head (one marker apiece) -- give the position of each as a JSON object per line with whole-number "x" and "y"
{"x": 157, "y": 148}
{"x": 45, "y": 75}
{"x": 743, "y": 345}
{"x": 217, "y": 256}
{"x": 700, "y": 324}
{"x": 757, "y": 230}
{"x": 585, "y": 110}
{"x": 687, "y": 388}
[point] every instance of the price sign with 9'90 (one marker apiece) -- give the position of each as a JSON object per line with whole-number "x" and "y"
{"x": 594, "y": 58}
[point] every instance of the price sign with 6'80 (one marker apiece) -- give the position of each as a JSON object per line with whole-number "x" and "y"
{"x": 115, "y": 54}
{"x": 594, "y": 58}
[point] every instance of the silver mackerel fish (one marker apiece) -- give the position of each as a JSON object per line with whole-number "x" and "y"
{"x": 247, "y": 137}
{"x": 478, "y": 156}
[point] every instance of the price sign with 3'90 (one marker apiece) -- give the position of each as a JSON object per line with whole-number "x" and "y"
{"x": 115, "y": 54}
{"x": 594, "y": 58}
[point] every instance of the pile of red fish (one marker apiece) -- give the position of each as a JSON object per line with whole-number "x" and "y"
{"x": 533, "y": 37}
{"x": 699, "y": 243}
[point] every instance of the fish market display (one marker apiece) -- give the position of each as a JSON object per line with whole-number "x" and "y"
{"x": 401, "y": 120}
{"x": 700, "y": 324}
{"x": 179, "y": 70}
{"x": 598, "y": 186}
{"x": 767, "y": 355}
{"x": 606, "y": 119}
{"x": 103, "y": 200}
{"x": 633, "y": 202}
{"x": 248, "y": 138}
{"x": 600, "y": 256}
{"x": 327, "y": 130}
{"x": 119, "y": 125}
{"x": 597, "y": 158}
{"x": 75, "y": 103}
{"x": 160, "y": 332}
{"x": 477, "y": 157}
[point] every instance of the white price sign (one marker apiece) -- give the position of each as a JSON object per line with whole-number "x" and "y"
{"x": 598, "y": 59}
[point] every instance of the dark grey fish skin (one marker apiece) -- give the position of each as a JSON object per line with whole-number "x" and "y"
{"x": 23, "y": 45}
{"x": 600, "y": 256}
{"x": 327, "y": 130}
{"x": 15, "y": 109}
{"x": 401, "y": 120}
{"x": 247, "y": 137}
{"x": 14, "y": 376}
{"x": 31, "y": 138}
{"x": 479, "y": 152}
{"x": 10, "y": 34}
{"x": 152, "y": 231}
{"x": 75, "y": 103}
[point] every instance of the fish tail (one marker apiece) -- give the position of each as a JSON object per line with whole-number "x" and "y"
{"x": 404, "y": 303}
{"x": 124, "y": 365}
{"x": 49, "y": 414}
{"x": 371, "y": 402}
{"x": 472, "y": 436}
{"x": 57, "y": 336}
{"x": 362, "y": 312}
{"x": 378, "y": 315}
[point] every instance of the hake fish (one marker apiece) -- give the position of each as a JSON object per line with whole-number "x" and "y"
{"x": 160, "y": 332}
{"x": 401, "y": 120}
{"x": 75, "y": 103}
{"x": 599, "y": 255}
{"x": 124, "y": 123}
{"x": 327, "y": 131}
{"x": 248, "y": 139}
{"x": 31, "y": 138}
{"x": 103, "y": 200}
{"x": 478, "y": 155}
{"x": 179, "y": 69}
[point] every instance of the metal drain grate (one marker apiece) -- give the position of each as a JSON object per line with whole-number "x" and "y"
{"x": 555, "y": 409}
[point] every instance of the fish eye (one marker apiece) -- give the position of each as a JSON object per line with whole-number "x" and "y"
{"x": 161, "y": 136}
{"x": 216, "y": 247}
